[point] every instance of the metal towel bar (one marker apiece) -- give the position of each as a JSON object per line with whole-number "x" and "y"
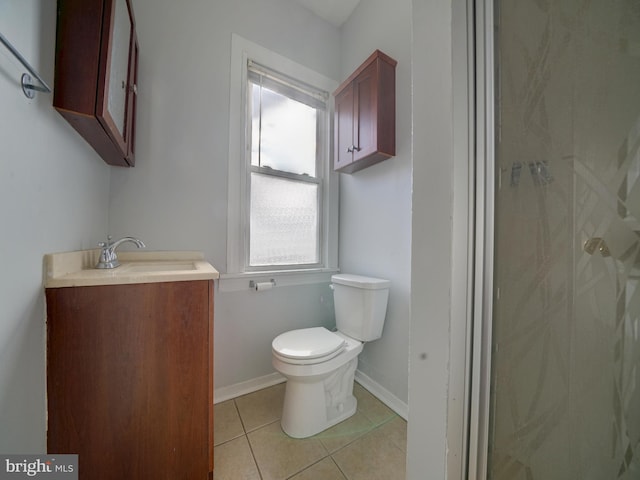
{"x": 28, "y": 88}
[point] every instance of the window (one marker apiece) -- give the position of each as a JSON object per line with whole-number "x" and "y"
{"x": 282, "y": 193}
{"x": 285, "y": 182}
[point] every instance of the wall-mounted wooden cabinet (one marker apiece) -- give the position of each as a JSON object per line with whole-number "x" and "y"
{"x": 365, "y": 115}
{"x": 130, "y": 379}
{"x": 95, "y": 86}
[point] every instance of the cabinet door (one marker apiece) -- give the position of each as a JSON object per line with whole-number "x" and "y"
{"x": 343, "y": 127}
{"x": 115, "y": 68}
{"x": 132, "y": 94}
{"x": 366, "y": 113}
{"x": 129, "y": 382}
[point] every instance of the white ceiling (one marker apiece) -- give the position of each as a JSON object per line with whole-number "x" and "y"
{"x": 333, "y": 11}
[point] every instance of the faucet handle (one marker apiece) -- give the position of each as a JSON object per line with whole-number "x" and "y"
{"x": 108, "y": 257}
{"x": 106, "y": 244}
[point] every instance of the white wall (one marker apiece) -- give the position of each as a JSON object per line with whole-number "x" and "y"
{"x": 54, "y": 197}
{"x": 375, "y": 203}
{"x": 176, "y": 196}
{"x": 439, "y": 184}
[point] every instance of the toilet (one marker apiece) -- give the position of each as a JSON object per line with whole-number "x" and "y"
{"x": 320, "y": 365}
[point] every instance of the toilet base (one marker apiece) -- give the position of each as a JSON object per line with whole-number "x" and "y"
{"x": 314, "y": 404}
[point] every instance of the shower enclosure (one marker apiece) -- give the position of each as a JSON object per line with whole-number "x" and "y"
{"x": 562, "y": 320}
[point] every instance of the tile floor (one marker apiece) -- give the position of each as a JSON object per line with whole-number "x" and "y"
{"x": 250, "y": 445}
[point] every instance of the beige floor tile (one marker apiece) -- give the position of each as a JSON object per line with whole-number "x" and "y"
{"x": 323, "y": 470}
{"x": 374, "y": 409}
{"x": 372, "y": 457}
{"x": 226, "y": 424}
{"x": 396, "y": 432}
{"x": 262, "y": 407}
{"x": 369, "y": 445}
{"x": 279, "y": 456}
{"x": 233, "y": 461}
{"x": 345, "y": 432}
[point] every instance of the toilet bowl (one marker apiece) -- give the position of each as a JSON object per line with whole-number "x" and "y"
{"x": 320, "y": 365}
{"x": 319, "y": 391}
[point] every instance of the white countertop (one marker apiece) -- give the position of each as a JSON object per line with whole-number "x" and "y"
{"x": 77, "y": 269}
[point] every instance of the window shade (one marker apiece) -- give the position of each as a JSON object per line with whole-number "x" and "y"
{"x": 285, "y": 85}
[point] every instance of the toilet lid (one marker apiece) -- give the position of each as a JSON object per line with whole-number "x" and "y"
{"x": 308, "y": 343}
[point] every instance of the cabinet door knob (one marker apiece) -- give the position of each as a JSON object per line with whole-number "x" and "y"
{"x": 132, "y": 88}
{"x": 352, "y": 149}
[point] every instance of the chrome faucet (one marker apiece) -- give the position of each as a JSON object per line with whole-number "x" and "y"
{"x": 108, "y": 257}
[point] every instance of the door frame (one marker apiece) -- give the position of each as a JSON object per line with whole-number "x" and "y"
{"x": 483, "y": 161}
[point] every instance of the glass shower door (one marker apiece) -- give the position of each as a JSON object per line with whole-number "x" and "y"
{"x": 565, "y": 376}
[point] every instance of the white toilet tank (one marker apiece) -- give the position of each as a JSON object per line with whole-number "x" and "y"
{"x": 360, "y": 305}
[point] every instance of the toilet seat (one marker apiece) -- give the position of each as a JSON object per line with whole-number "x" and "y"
{"x": 308, "y": 345}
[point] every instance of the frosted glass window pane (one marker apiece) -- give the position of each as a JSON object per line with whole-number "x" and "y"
{"x": 283, "y": 132}
{"x": 284, "y": 221}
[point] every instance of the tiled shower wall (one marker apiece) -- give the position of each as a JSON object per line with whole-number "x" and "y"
{"x": 566, "y": 334}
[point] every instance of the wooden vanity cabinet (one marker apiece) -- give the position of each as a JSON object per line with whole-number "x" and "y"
{"x": 95, "y": 85}
{"x": 130, "y": 379}
{"x": 365, "y": 115}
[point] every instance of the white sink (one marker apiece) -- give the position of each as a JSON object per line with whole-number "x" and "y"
{"x": 158, "y": 267}
{"x": 75, "y": 269}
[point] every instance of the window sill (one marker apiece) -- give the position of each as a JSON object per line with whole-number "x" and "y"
{"x": 234, "y": 282}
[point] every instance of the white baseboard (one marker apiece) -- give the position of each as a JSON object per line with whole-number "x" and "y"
{"x": 382, "y": 394}
{"x": 250, "y": 386}
{"x": 385, "y": 396}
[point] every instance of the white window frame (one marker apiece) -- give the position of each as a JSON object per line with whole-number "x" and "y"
{"x": 238, "y": 276}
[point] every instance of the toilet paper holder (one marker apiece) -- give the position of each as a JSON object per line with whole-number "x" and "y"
{"x": 258, "y": 286}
